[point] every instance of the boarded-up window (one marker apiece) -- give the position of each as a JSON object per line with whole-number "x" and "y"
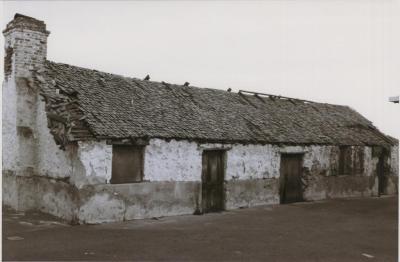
{"x": 127, "y": 164}
{"x": 351, "y": 160}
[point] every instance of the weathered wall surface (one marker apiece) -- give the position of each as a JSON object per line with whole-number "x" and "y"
{"x": 370, "y": 162}
{"x": 51, "y": 160}
{"x": 46, "y": 194}
{"x": 172, "y": 161}
{"x": 25, "y": 52}
{"x": 105, "y": 203}
{"x": 58, "y": 198}
{"x": 251, "y": 169}
{"x": 252, "y": 173}
{"x": 9, "y": 129}
{"x": 95, "y": 158}
{"x": 251, "y": 192}
{"x": 182, "y": 161}
{"x": 322, "y": 179}
{"x": 350, "y": 186}
{"x": 394, "y": 161}
{"x": 321, "y": 160}
{"x": 392, "y": 185}
{"x": 252, "y": 162}
{"x": 252, "y": 178}
{"x": 10, "y": 189}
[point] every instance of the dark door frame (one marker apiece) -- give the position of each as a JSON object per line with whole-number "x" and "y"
{"x": 283, "y": 177}
{"x": 223, "y": 174}
{"x": 381, "y": 171}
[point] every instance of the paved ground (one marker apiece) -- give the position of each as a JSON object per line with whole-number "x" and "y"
{"x": 336, "y": 230}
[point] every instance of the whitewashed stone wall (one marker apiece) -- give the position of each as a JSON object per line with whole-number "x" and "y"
{"x": 26, "y": 50}
{"x": 394, "y": 161}
{"x": 96, "y": 160}
{"x": 252, "y": 162}
{"x": 172, "y": 161}
{"x": 9, "y": 129}
{"x": 182, "y": 161}
{"x": 370, "y": 162}
{"x": 51, "y": 160}
{"x": 320, "y": 159}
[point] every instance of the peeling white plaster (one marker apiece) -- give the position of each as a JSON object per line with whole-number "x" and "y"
{"x": 9, "y": 129}
{"x": 319, "y": 159}
{"x": 394, "y": 160}
{"x": 172, "y": 161}
{"x": 52, "y": 161}
{"x": 252, "y": 161}
{"x": 369, "y": 162}
{"x": 102, "y": 208}
{"x": 96, "y": 158}
{"x": 10, "y": 190}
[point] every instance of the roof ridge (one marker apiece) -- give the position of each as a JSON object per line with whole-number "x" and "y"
{"x": 134, "y": 78}
{"x": 90, "y": 69}
{"x": 191, "y": 86}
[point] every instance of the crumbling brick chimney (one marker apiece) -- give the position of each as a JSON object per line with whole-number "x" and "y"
{"x": 25, "y": 45}
{"x": 25, "y": 53}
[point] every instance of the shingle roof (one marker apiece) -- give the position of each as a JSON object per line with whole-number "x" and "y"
{"x": 113, "y": 106}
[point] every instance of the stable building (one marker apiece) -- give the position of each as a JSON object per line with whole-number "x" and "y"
{"x": 91, "y": 147}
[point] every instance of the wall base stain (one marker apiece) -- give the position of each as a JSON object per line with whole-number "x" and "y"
{"x": 94, "y": 204}
{"x": 251, "y": 192}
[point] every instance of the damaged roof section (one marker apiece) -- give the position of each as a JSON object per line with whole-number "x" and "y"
{"x": 65, "y": 117}
{"x": 85, "y": 104}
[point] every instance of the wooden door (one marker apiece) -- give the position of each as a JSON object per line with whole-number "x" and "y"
{"x": 380, "y": 169}
{"x": 213, "y": 181}
{"x": 290, "y": 178}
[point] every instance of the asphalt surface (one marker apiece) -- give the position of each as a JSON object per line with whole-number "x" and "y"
{"x": 335, "y": 230}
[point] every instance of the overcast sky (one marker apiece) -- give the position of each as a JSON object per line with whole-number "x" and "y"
{"x": 344, "y": 52}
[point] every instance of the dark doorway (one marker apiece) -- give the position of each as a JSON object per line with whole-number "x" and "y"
{"x": 290, "y": 180}
{"x": 380, "y": 169}
{"x": 213, "y": 181}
